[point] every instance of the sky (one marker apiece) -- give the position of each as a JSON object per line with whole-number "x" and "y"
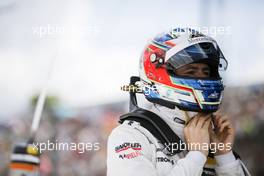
{"x": 94, "y": 47}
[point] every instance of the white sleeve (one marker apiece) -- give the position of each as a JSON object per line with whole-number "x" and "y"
{"x": 130, "y": 153}
{"x": 228, "y": 165}
{"x": 191, "y": 165}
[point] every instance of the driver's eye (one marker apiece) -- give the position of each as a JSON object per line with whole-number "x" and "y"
{"x": 190, "y": 73}
{"x": 207, "y": 72}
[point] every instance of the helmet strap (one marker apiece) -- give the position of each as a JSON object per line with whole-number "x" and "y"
{"x": 187, "y": 117}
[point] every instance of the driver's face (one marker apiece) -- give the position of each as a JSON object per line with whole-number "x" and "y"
{"x": 196, "y": 70}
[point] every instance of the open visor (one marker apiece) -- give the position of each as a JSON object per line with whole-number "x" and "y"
{"x": 200, "y": 52}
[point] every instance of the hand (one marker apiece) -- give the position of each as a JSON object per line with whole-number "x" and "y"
{"x": 223, "y": 134}
{"x": 196, "y": 133}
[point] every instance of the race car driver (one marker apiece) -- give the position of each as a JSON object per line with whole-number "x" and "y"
{"x": 179, "y": 77}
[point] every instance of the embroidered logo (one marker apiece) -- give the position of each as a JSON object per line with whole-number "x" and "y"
{"x": 127, "y": 145}
{"x": 130, "y": 155}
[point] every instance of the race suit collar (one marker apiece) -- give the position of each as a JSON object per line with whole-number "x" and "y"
{"x": 175, "y": 118}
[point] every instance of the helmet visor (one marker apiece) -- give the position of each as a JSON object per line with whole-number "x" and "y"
{"x": 200, "y": 52}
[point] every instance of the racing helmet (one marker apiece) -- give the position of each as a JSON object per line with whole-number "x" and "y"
{"x": 170, "y": 51}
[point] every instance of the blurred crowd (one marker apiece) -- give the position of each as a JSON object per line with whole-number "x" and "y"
{"x": 244, "y": 105}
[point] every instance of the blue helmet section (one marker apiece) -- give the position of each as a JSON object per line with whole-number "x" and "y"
{"x": 211, "y": 91}
{"x": 209, "y": 100}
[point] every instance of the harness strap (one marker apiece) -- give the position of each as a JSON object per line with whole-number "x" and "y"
{"x": 157, "y": 127}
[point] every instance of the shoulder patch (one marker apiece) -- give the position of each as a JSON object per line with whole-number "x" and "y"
{"x": 127, "y": 145}
{"x": 128, "y": 150}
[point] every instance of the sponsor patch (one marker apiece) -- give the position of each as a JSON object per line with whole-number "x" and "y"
{"x": 164, "y": 159}
{"x": 127, "y": 145}
{"x": 130, "y": 155}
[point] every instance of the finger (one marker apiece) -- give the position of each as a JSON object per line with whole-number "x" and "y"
{"x": 224, "y": 125}
{"x": 217, "y": 121}
{"x": 207, "y": 123}
{"x": 212, "y": 133}
{"x": 229, "y": 131}
{"x": 200, "y": 119}
{"x": 203, "y": 120}
{"x": 193, "y": 121}
{"x": 213, "y": 124}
